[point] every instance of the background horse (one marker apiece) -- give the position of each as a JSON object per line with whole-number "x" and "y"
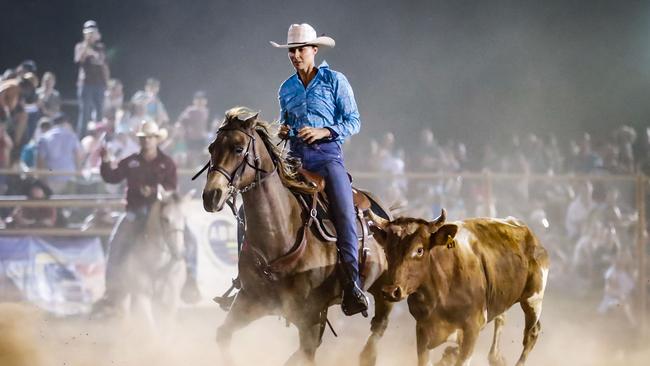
{"x": 276, "y": 277}
{"x": 153, "y": 271}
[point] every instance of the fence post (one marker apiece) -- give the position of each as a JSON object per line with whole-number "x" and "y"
{"x": 642, "y": 253}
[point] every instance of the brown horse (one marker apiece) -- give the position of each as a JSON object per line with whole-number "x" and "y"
{"x": 276, "y": 277}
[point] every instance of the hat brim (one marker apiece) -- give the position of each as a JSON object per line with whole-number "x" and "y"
{"x": 161, "y": 134}
{"x": 323, "y": 41}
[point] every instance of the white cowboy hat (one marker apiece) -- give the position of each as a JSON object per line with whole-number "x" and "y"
{"x": 150, "y": 128}
{"x": 302, "y": 35}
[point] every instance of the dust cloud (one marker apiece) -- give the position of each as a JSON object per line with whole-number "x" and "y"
{"x": 572, "y": 334}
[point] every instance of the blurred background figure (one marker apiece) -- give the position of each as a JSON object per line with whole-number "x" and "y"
{"x": 113, "y": 98}
{"x": 90, "y": 55}
{"x": 49, "y": 99}
{"x": 59, "y": 150}
{"x": 23, "y": 217}
{"x": 149, "y": 100}
{"x": 193, "y": 121}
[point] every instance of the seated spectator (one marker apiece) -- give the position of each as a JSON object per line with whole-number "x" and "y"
{"x": 49, "y": 99}
{"x": 113, "y": 97}
{"x": 23, "y": 217}
{"x": 619, "y": 288}
{"x": 149, "y": 99}
{"x": 91, "y": 143}
{"x": 59, "y": 150}
{"x": 28, "y": 153}
{"x": 578, "y": 211}
{"x": 5, "y": 152}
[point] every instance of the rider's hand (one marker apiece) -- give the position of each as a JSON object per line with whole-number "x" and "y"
{"x": 312, "y": 134}
{"x": 146, "y": 191}
{"x": 284, "y": 132}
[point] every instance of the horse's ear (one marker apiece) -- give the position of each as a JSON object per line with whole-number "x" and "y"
{"x": 163, "y": 194}
{"x": 250, "y": 121}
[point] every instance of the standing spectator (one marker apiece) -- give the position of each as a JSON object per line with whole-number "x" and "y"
{"x": 59, "y": 150}
{"x": 90, "y": 55}
{"x": 194, "y": 121}
{"x": 49, "y": 99}
{"x": 148, "y": 98}
{"x": 113, "y": 97}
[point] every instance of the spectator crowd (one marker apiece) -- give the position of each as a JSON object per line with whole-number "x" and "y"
{"x": 588, "y": 222}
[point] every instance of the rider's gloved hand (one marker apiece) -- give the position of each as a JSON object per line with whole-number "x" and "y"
{"x": 284, "y": 132}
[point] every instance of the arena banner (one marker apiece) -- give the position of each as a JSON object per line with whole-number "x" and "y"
{"x": 216, "y": 235}
{"x": 66, "y": 275}
{"x": 61, "y": 275}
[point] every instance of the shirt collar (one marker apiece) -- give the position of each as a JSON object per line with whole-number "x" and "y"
{"x": 323, "y": 65}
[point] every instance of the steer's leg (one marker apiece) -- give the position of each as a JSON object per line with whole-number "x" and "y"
{"x": 244, "y": 310}
{"x": 466, "y": 348}
{"x": 531, "y": 330}
{"x": 495, "y": 357}
{"x": 378, "y": 326}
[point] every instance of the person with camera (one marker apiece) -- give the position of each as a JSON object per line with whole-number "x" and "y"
{"x": 90, "y": 55}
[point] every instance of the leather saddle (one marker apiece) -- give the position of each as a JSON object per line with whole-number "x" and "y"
{"x": 324, "y": 225}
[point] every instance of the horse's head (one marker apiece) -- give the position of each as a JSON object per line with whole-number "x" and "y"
{"x": 167, "y": 218}
{"x": 238, "y": 158}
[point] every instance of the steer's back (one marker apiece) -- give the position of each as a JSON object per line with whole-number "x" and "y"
{"x": 511, "y": 258}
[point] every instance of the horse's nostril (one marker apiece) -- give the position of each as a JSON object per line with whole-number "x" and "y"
{"x": 397, "y": 293}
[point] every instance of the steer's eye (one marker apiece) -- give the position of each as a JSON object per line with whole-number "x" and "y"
{"x": 239, "y": 149}
{"x": 419, "y": 252}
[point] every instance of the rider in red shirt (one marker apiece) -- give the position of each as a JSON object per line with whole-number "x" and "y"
{"x": 144, "y": 172}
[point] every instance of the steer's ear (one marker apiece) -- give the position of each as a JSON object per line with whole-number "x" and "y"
{"x": 443, "y": 236}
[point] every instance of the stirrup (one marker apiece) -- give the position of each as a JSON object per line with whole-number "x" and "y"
{"x": 225, "y": 302}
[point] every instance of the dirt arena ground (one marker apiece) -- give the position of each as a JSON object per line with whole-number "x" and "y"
{"x": 572, "y": 334}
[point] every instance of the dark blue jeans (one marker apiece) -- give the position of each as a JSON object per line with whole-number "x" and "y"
{"x": 91, "y": 98}
{"x": 326, "y": 159}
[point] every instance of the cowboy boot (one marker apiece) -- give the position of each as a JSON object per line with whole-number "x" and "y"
{"x": 354, "y": 300}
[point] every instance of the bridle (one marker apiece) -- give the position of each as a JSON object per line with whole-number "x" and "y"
{"x": 235, "y": 176}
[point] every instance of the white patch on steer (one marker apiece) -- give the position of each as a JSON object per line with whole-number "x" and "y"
{"x": 535, "y": 301}
{"x": 453, "y": 337}
{"x": 464, "y": 238}
{"x": 484, "y": 316}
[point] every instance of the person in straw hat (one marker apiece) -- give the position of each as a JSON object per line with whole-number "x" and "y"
{"x": 317, "y": 112}
{"x": 144, "y": 172}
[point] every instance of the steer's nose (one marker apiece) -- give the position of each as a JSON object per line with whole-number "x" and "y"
{"x": 392, "y": 292}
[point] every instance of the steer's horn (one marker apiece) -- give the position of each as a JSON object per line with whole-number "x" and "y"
{"x": 377, "y": 220}
{"x": 437, "y": 223}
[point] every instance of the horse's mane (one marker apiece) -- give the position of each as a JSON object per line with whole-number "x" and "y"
{"x": 286, "y": 166}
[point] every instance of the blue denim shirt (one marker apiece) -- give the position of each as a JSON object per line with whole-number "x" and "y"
{"x": 327, "y": 102}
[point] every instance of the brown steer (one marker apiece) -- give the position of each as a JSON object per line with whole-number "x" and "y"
{"x": 459, "y": 276}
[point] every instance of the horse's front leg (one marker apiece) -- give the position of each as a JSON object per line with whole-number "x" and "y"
{"x": 245, "y": 309}
{"x": 378, "y": 326}
{"x": 310, "y": 328}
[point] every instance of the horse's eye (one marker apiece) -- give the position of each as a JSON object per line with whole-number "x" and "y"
{"x": 239, "y": 149}
{"x": 420, "y": 252}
